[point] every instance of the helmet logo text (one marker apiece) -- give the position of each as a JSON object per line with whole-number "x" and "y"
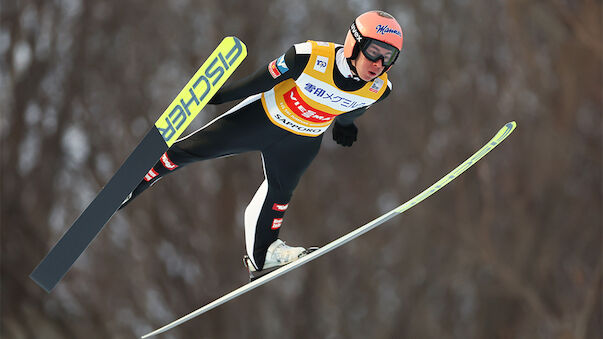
{"x": 355, "y": 32}
{"x": 381, "y": 29}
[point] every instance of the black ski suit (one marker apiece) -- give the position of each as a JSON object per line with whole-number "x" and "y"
{"x": 247, "y": 127}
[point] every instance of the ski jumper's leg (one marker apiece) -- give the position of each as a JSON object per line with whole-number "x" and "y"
{"x": 236, "y": 131}
{"x": 284, "y": 163}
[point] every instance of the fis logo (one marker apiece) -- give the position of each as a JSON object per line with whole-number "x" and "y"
{"x": 386, "y": 30}
{"x": 200, "y": 89}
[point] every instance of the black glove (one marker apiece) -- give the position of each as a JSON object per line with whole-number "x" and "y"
{"x": 345, "y": 135}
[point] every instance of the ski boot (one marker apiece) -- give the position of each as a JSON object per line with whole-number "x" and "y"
{"x": 278, "y": 254}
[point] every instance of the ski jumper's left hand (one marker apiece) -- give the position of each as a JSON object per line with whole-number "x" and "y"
{"x": 345, "y": 135}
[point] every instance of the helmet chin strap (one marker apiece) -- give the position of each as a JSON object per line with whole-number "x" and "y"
{"x": 353, "y": 69}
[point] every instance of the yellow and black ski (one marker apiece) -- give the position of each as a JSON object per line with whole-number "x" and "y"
{"x": 176, "y": 118}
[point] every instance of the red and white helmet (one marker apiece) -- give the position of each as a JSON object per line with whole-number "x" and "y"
{"x": 374, "y": 28}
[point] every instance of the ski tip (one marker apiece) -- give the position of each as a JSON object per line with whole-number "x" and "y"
{"x": 507, "y": 129}
{"x": 231, "y": 37}
{"x": 236, "y": 41}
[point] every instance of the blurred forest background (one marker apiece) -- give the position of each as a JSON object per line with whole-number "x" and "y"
{"x": 511, "y": 249}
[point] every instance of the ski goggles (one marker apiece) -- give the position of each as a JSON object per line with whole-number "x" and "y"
{"x": 375, "y": 50}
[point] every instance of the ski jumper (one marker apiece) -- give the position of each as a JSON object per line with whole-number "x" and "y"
{"x": 289, "y": 104}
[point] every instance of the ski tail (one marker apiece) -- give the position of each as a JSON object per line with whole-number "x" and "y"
{"x": 175, "y": 119}
{"x": 502, "y": 134}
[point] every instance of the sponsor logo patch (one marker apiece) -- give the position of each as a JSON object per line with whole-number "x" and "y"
{"x": 279, "y": 207}
{"x": 152, "y": 173}
{"x": 292, "y": 126}
{"x": 355, "y": 32}
{"x": 315, "y": 91}
{"x": 321, "y": 64}
{"x": 276, "y": 223}
{"x": 381, "y": 29}
{"x": 377, "y": 84}
{"x": 277, "y": 67}
{"x": 199, "y": 89}
{"x": 281, "y": 65}
{"x": 273, "y": 69}
{"x": 303, "y": 110}
{"x": 167, "y": 163}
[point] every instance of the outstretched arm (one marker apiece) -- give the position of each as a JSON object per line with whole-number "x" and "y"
{"x": 289, "y": 65}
